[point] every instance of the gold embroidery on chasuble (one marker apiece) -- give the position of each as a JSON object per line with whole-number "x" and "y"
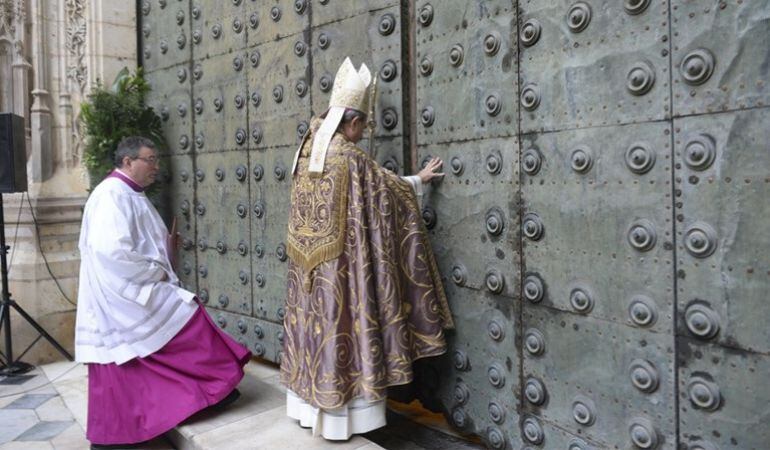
{"x": 318, "y": 213}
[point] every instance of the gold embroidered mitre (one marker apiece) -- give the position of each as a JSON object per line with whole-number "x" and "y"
{"x": 349, "y": 91}
{"x": 350, "y": 87}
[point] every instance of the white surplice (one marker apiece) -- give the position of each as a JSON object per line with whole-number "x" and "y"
{"x": 129, "y": 300}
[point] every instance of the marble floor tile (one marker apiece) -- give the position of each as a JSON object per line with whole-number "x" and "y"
{"x": 8, "y": 399}
{"x": 30, "y": 401}
{"x": 64, "y": 371}
{"x": 72, "y": 438}
{"x": 16, "y": 445}
{"x": 54, "y": 409}
{"x": 74, "y": 393}
{"x": 14, "y": 422}
{"x": 45, "y": 430}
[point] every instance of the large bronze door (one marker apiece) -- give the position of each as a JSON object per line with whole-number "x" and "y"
{"x": 600, "y": 228}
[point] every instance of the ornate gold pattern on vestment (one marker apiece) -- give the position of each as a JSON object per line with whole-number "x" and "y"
{"x": 317, "y": 218}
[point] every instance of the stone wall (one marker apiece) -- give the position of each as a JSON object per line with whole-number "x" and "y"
{"x": 52, "y": 53}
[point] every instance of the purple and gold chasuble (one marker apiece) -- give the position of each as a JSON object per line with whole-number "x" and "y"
{"x": 364, "y": 297}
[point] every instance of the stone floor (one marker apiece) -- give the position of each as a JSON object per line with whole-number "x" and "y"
{"x": 46, "y": 409}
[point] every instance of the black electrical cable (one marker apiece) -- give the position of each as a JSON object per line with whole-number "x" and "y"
{"x": 40, "y": 247}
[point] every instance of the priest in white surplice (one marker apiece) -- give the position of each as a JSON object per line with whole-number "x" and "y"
{"x": 154, "y": 356}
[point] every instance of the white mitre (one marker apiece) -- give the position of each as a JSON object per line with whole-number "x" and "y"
{"x": 349, "y": 91}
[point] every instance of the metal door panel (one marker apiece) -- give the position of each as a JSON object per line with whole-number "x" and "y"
{"x": 221, "y": 96}
{"x": 219, "y": 275}
{"x": 660, "y": 257}
{"x": 590, "y": 361}
{"x": 474, "y": 98}
{"x": 276, "y": 104}
{"x": 165, "y": 33}
{"x": 729, "y": 276}
{"x": 270, "y": 195}
{"x": 613, "y": 71}
{"x": 588, "y": 220}
{"x": 170, "y": 98}
{"x": 181, "y": 198}
{"x": 439, "y": 16}
{"x": 462, "y": 205}
{"x": 326, "y": 11}
{"x": 553, "y": 436}
{"x": 477, "y": 381}
{"x": 725, "y": 47}
{"x": 389, "y": 152}
{"x": 221, "y": 198}
{"x": 275, "y": 19}
{"x": 723, "y": 397}
{"x": 218, "y": 27}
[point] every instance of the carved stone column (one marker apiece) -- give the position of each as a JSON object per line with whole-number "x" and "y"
{"x": 40, "y": 163}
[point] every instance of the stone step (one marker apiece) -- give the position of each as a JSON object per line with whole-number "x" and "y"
{"x": 59, "y": 243}
{"x": 257, "y": 420}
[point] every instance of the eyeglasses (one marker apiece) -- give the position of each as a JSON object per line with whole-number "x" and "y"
{"x": 152, "y": 160}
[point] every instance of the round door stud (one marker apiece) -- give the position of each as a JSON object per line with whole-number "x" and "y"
{"x": 583, "y": 411}
{"x": 496, "y": 412}
{"x": 425, "y": 16}
{"x": 530, "y": 97}
{"x": 642, "y": 235}
{"x": 635, "y": 7}
{"x": 531, "y": 161}
{"x": 461, "y": 361}
{"x": 532, "y": 227}
{"x": 534, "y": 391}
{"x": 643, "y": 434}
{"x": 461, "y": 393}
{"x": 534, "y": 288}
{"x": 700, "y": 151}
{"x": 702, "y": 321}
{"x": 640, "y": 78}
{"x": 644, "y": 376}
{"x": 642, "y": 311}
{"x": 532, "y": 431}
{"x": 578, "y": 17}
{"x": 697, "y": 66}
{"x": 639, "y": 158}
{"x": 494, "y": 281}
{"x": 700, "y": 240}
{"x": 581, "y": 299}
{"x": 534, "y": 342}
{"x": 581, "y": 160}
{"x": 530, "y": 32}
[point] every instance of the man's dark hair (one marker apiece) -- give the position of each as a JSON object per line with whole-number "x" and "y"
{"x": 351, "y": 114}
{"x": 130, "y": 147}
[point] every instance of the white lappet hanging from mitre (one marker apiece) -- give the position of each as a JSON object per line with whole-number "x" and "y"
{"x": 349, "y": 91}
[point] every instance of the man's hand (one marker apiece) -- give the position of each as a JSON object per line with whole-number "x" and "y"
{"x": 429, "y": 172}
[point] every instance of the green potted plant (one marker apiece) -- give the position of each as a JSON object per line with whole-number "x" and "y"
{"x": 111, "y": 114}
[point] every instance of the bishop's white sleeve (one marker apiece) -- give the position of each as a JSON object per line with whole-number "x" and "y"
{"x": 111, "y": 243}
{"x": 416, "y": 183}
